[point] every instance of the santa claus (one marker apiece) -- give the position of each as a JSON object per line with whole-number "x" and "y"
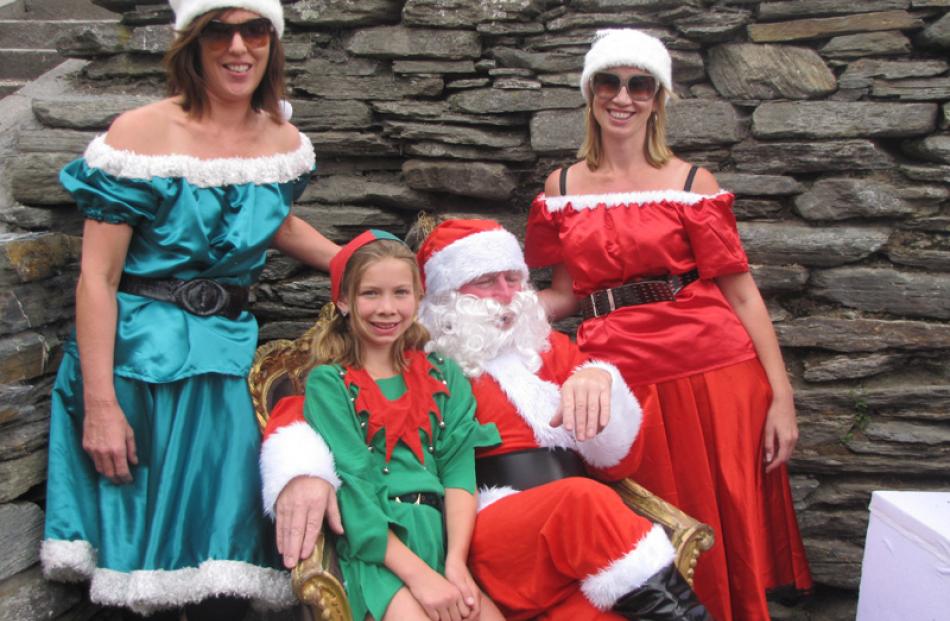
{"x": 550, "y": 542}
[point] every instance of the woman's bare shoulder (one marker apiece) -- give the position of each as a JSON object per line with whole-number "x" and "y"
{"x": 285, "y": 136}
{"x": 552, "y": 185}
{"x": 144, "y": 130}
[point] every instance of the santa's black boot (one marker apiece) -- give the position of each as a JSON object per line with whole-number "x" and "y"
{"x": 665, "y": 596}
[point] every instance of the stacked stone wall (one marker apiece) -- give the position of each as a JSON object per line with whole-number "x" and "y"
{"x": 827, "y": 118}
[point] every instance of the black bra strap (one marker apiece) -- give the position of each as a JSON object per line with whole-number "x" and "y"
{"x": 563, "y": 182}
{"x": 689, "y": 178}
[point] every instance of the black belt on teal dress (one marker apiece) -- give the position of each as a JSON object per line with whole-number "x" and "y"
{"x": 200, "y": 296}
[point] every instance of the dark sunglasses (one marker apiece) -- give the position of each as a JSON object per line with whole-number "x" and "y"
{"x": 255, "y": 33}
{"x": 639, "y": 87}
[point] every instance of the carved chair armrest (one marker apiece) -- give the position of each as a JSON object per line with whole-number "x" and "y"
{"x": 317, "y": 584}
{"x": 689, "y": 536}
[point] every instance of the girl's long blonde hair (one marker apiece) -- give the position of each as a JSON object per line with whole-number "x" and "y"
{"x": 338, "y": 342}
{"x": 655, "y": 148}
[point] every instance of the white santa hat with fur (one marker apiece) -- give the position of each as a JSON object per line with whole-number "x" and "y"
{"x": 458, "y": 251}
{"x": 626, "y": 47}
{"x": 187, "y": 10}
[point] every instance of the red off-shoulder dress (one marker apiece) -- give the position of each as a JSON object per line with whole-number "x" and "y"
{"x": 693, "y": 366}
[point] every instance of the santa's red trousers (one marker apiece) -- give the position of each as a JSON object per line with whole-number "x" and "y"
{"x": 531, "y": 550}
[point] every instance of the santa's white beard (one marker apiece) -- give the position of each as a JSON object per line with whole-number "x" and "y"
{"x": 473, "y": 330}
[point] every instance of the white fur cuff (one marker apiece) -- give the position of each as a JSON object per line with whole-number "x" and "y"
{"x": 292, "y": 451}
{"x": 489, "y": 495}
{"x": 612, "y": 444}
{"x": 651, "y": 554}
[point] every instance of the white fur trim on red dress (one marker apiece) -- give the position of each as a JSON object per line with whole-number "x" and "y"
{"x": 620, "y": 199}
{"x": 613, "y": 443}
{"x": 472, "y": 256}
{"x": 293, "y": 451}
{"x": 145, "y": 591}
{"x": 651, "y": 554}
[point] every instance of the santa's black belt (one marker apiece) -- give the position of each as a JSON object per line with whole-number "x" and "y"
{"x": 529, "y": 468}
{"x": 200, "y": 296}
{"x": 643, "y": 291}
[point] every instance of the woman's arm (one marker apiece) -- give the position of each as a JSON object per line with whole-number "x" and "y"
{"x": 781, "y": 429}
{"x": 559, "y": 300}
{"x": 299, "y": 240}
{"x": 107, "y": 436}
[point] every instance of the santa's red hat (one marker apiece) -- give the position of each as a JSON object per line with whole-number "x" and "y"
{"x": 458, "y": 251}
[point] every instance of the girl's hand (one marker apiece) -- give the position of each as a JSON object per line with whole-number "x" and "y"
{"x": 781, "y": 432}
{"x": 440, "y": 599}
{"x": 109, "y": 441}
{"x": 457, "y": 573}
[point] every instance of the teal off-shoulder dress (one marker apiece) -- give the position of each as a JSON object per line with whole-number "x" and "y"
{"x": 191, "y": 524}
{"x": 379, "y": 457}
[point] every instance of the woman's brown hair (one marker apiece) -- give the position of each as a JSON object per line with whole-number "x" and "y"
{"x": 183, "y": 69}
{"x": 655, "y": 149}
{"x": 338, "y": 342}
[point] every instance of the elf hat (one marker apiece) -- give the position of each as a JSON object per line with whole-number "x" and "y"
{"x": 625, "y": 47}
{"x": 458, "y": 251}
{"x": 187, "y": 10}
{"x": 339, "y": 261}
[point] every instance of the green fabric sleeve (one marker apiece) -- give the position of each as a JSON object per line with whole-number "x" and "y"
{"x": 455, "y": 452}
{"x": 363, "y": 496}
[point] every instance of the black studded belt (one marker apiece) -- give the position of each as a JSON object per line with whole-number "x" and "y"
{"x": 528, "y": 468}
{"x": 645, "y": 291}
{"x": 201, "y": 296}
{"x": 420, "y": 498}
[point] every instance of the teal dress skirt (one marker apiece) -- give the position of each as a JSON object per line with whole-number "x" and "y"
{"x": 191, "y": 524}
{"x": 370, "y": 482}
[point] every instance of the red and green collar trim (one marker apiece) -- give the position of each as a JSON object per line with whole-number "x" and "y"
{"x": 403, "y": 418}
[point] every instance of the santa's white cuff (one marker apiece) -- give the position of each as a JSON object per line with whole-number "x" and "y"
{"x": 293, "y": 451}
{"x": 651, "y": 554}
{"x": 613, "y": 443}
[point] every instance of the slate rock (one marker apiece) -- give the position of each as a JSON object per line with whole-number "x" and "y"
{"x": 809, "y": 157}
{"x": 749, "y": 71}
{"x": 20, "y": 534}
{"x": 478, "y": 179}
{"x": 885, "y": 290}
{"x": 782, "y": 243}
{"x": 855, "y": 334}
{"x": 831, "y": 119}
{"x": 843, "y": 198}
{"x": 818, "y": 28}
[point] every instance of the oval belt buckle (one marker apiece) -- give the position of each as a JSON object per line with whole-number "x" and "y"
{"x": 201, "y": 296}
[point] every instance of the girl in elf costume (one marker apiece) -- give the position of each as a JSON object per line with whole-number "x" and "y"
{"x": 401, "y": 426}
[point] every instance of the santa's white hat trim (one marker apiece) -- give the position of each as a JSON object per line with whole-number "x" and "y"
{"x": 292, "y": 451}
{"x": 612, "y": 444}
{"x": 624, "y": 199}
{"x": 625, "y": 47}
{"x": 469, "y": 257}
{"x": 652, "y": 553}
{"x": 187, "y": 10}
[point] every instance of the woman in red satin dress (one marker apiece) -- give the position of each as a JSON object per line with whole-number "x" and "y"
{"x": 696, "y": 345}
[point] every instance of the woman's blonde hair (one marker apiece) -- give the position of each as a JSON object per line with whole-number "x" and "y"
{"x": 185, "y": 75}
{"x": 338, "y": 342}
{"x": 655, "y": 149}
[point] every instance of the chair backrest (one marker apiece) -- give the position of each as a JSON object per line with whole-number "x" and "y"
{"x": 280, "y": 368}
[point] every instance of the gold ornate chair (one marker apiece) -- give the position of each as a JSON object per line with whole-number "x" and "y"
{"x": 278, "y": 372}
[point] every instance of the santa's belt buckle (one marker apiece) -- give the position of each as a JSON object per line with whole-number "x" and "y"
{"x": 202, "y": 297}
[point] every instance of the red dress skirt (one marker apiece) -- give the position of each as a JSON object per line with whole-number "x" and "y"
{"x": 701, "y": 449}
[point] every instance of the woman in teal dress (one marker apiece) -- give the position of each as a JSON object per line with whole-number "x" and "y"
{"x": 154, "y": 490}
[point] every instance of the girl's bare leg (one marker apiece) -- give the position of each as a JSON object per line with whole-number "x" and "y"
{"x": 490, "y": 611}
{"x": 404, "y": 607}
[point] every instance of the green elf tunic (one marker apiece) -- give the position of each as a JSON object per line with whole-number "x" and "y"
{"x": 414, "y": 432}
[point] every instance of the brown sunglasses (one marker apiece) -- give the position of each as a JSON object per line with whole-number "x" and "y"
{"x": 639, "y": 87}
{"x": 256, "y": 33}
